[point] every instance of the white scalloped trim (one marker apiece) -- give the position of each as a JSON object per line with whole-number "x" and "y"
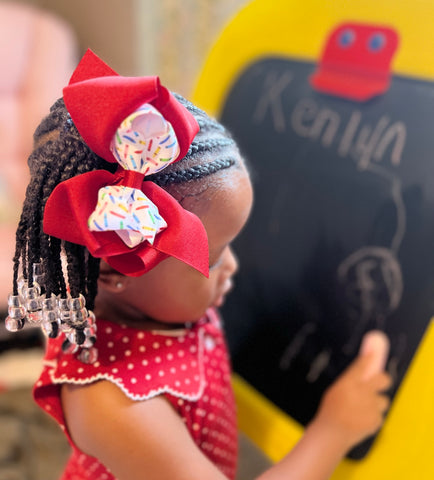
{"x": 62, "y": 379}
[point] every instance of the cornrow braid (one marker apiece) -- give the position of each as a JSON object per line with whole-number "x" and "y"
{"x": 193, "y": 173}
{"x": 60, "y": 154}
{"x": 208, "y": 124}
{"x": 196, "y": 148}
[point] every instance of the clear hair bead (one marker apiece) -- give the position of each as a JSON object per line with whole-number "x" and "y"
{"x": 14, "y": 324}
{"x": 88, "y": 355}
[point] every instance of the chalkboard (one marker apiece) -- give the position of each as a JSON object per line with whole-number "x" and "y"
{"x": 341, "y": 239}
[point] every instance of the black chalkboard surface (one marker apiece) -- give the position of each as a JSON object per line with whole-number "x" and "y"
{"x": 341, "y": 239}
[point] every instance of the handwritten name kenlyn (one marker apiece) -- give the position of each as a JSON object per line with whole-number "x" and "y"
{"x": 351, "y": 135}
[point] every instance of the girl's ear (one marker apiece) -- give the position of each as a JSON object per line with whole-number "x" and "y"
{"x": 111, "y": 280}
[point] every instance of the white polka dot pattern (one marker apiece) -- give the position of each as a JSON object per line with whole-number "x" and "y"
{"x": 190, "y": 367}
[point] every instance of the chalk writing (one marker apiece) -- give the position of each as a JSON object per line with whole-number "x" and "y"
{"x": 373, "y": 284}
{"x": 364, "y": 143}
{"x": 319, "y": 364}
{"x": 295, "y": 346}
{"x": 274, "y": 86}
{"x": 352, "y": 137}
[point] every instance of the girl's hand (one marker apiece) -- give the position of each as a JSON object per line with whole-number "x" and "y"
{"x": 353, "y": 407}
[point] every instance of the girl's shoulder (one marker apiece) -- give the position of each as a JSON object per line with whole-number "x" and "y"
{"x": 141, "y": 363}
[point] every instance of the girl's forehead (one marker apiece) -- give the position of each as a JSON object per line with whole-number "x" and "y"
{"x": 229, "y": 204}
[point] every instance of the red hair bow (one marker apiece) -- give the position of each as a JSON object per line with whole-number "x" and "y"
{"x": 99, "y": 100}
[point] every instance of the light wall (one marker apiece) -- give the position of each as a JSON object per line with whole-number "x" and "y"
{"x": 169, "y": 38}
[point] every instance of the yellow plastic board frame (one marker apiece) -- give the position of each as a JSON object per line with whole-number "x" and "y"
{"x": 298, "y": 30}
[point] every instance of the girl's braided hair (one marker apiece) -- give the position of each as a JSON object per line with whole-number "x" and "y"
{"x": 60, "y": 153}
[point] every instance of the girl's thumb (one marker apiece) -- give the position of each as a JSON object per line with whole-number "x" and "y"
{"x": 375, "y": 345}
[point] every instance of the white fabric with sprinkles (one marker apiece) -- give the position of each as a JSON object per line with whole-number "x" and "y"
{"x": 145, "y": 142}
{"x": 128, "y": 212}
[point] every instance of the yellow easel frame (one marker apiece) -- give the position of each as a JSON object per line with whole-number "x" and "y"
{"x": 404, "y": 449}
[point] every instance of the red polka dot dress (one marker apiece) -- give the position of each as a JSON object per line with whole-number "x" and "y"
{"x": 190, "y": 367}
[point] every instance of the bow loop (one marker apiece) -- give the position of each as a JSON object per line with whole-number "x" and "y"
{"x": 145, "y": 142}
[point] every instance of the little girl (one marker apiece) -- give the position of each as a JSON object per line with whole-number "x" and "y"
{"x": 123, "y": 255}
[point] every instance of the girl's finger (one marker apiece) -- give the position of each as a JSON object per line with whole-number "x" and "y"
{"x": 384, "y": 403}
{"x": 382, "y": 382}
{"x": 376, "y": 345}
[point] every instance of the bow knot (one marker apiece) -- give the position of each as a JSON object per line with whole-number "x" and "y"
{"x": 130, "y": 178}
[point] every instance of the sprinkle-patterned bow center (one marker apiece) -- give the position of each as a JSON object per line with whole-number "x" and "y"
{"x": 129, "y": 213}
{"x": 144, "y": 143}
